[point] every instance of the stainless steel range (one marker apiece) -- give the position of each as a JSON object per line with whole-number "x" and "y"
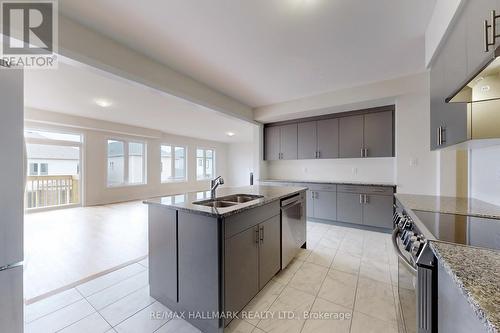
{"x": 417, "y": 271}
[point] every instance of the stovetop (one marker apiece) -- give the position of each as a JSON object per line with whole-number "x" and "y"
{"x": 467, "y": 230}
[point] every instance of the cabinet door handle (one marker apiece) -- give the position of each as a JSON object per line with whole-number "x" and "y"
{"x": 365, "y": 199}
{"x": 261, "y": 231}
{"x": 366, "y": 152}
{"x": 443, "y": 134}
{"x": 319, "y": 154}
{"x": 361, "y": 199}
{"x": 257, "y": 235}
{"x": 362, "y": 152}
{"x": 438, "y": 136}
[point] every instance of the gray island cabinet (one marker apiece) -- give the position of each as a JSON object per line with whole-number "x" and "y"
{"x": 205, "y": 261}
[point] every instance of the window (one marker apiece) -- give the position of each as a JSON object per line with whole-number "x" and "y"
{"x": 116, "y": 163}
{"x": 205, "y": 168}
{"x": 135, "y": 163}
{"x": 44, "y": 169}
{"x": 53, "y": 177}
{"x": 33, "y": 170}
{"x": 126, "y": 163}
{"x": 173, "y": 163}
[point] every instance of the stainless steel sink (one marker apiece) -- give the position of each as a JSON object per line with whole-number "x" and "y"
{"x": 241, "y": 198}
{"x": 216, "y": 203}
{"x": 228, "y": 201}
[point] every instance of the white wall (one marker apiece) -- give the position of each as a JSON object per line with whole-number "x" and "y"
{"x": 414, "y": 169}
{"x": 485, "y": 174}
{"x": 240, "y": 164}
{"x": 355, "y": 169}
{"x": 94, "y": 168}
{"x": 442, "y": 16}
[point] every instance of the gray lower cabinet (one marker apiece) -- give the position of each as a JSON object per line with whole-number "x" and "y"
{"x": 162, "y": 253}
{"x": 310, "y": 203}
{"x": 378, "y": 134}
{"x": 351, "y": 137}
{"x": 325, "y": 205}
{"x": 241, "y": 268}
{"x": 252, "y": 258}
{"x": 377, "y": 210}
{"x": 349, "y": 207}
{"x": 269, "y": 250}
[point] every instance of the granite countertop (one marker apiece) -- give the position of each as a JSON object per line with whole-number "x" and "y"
{"x": 449, "y": 205}
{"x": 185, "y": 201}
{"x": 476, "y": 272}
{"x": 339, "y": 182}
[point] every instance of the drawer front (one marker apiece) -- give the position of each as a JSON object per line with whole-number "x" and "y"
{"x": 242, "y": 221}
{"x": 351, "y": 188}
{"x": 381, "y": 190}
{"x": 322, "y": 187}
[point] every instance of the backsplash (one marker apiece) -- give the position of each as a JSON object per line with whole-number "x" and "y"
{"x": 485, "y": 174}
{"x": 350, "y": 169}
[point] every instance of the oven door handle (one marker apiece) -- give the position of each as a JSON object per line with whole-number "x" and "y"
{"x": 407, "y": 263}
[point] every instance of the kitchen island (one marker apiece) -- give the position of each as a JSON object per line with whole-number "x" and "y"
{"x": 208, "y": 258}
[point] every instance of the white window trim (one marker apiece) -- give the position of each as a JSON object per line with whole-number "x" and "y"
{"x": 205, "y": 177}
{"x": 172, "y": 163}
{"x": 126, "y": 162}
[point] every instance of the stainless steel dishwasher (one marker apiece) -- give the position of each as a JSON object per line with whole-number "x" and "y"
{"x": 293, "y": 227}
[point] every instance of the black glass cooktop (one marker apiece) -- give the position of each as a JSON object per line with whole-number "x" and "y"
{"x": 468, "y": 230}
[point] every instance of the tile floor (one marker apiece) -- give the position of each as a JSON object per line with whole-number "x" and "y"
{"x": 348, "y": 274}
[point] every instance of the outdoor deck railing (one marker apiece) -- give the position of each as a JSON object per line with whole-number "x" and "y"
{"x": 48, "y": 191}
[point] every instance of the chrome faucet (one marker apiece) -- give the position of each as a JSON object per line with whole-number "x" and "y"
{"x": 214, "y": 184}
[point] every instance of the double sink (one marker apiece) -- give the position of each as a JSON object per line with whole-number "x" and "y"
{"x": 228, "y": 201}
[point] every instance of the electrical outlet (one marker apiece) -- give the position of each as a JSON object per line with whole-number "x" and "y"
{"x": 354, "y": 171}
{"x": 413, "y": 162}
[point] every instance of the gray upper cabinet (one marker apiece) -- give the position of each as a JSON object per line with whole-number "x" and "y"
{"x": 288, "y": 142}
{"x": 325, "y": 205}
{"x": 461, "y": 55}
{"x": 280, "y": 142}
{"x": 474, "y": 14}
{"x": 377, "y": 210}
{"x": 356, "y": 134}
{"x": 272, "y": 143}
{"x": 318, "y": 139}
{"x": 241, "y": 268}
{"x": 351, "y": 137}
{"x": 269, "y": 250}
{"x": 378, "y": 134}
{"x": 307, "y": 140}
{"x": 328, "y": 138}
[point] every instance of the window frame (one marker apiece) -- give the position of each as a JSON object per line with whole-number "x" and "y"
{"x": 205, "y": 177}
{"x": 172, "y": 164}
{"x": 126, "y": 156}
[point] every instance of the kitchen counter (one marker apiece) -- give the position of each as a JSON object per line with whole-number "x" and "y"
{"x": 476, "y": 272}
{"x": 449, "y": 205}
{"x": 184, "y": 202}
{"x": 339, "y": 182}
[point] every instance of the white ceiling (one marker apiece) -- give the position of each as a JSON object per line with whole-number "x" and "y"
{"x": 268, "y": 51}
{"x": 72, "y": 90}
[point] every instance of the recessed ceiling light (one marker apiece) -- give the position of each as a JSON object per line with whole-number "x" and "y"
{"x": 230, "y": 133}
{"x": 102, "y": 102}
